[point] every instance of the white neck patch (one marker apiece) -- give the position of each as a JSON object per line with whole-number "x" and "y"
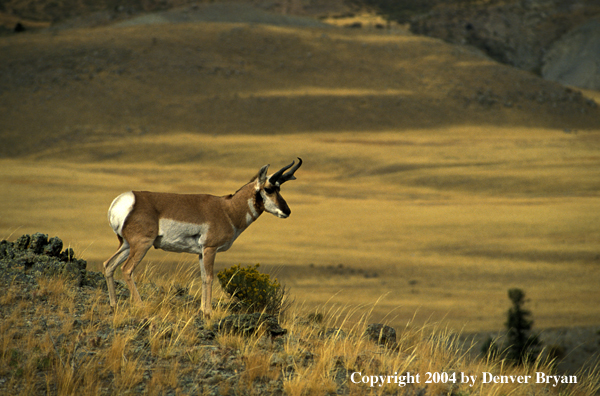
{"x": 253, "y": 214}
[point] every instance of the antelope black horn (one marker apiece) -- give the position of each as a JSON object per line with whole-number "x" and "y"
{"x": 279, "y": 177}
{"x": 275, "y": 176}
{"x": 290, "y": 175}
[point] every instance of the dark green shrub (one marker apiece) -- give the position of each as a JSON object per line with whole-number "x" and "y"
{"x": 523, "y": 346}
{"x": 252, "y": 290}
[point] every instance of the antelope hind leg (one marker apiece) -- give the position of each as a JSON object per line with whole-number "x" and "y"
{"x": 109, "y": 269}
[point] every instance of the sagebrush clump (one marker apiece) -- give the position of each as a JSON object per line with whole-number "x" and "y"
{"x": 252, "y": 290}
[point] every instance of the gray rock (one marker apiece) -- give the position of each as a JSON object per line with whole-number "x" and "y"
{"x": 22, "y": 243}
{"x": 575, "y": 58}
{"x": 54, "y": 247}
{"x": 333, "y": 332}
{"x": 6, "y": 250}
{"x": 96, "y": 280}
{"x": 519, "y": 33}
{"x": 32, "y": 256}
{"x": 381, "y": 334}
{"x": 250, "y": 324}
{"x": 38, "y": 242}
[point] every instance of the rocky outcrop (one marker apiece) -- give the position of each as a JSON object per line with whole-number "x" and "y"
{"x": 32, "y": 256}
{"x": 518, "y": 33}
{"x": 381, "y": 334}
{"x": 251, "y": 324}
{"x": 574, "y": 59}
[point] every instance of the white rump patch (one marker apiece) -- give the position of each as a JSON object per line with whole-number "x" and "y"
{"x": 119, "y": 210}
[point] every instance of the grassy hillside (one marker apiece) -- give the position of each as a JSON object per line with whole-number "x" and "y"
{"x": 61, "y": 339}
{"x": 434, "y": 177}
{"x": 159, "y": 79}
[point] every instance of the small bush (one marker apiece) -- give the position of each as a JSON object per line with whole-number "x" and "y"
{"x": 523, "y": 346}
{"x": 252, "y": 290}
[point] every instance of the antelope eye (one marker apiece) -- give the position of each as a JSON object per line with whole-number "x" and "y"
{"x": 269, "y": 190}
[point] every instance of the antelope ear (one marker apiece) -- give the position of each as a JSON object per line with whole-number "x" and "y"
{"x": 262, "y": 176}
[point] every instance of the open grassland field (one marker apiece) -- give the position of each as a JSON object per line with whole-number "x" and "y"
{"x": 434, "y": 179}
{"x": 439, "y": 225}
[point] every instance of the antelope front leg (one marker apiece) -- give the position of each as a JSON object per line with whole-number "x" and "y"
{"x": 207, "y": 260}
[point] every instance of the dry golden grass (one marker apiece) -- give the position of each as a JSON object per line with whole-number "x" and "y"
{"x": 139, "y": 356}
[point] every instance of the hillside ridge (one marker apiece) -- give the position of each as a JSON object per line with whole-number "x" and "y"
{"x": 221, "y": 78}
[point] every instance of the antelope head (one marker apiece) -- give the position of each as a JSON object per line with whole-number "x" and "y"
{"x": 268, "y": 189}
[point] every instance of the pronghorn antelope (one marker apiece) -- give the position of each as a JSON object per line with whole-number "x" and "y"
{"x": 192, "y": 223}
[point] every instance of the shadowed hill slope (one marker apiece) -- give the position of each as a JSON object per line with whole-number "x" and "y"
{"x": 82, "y": 85}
